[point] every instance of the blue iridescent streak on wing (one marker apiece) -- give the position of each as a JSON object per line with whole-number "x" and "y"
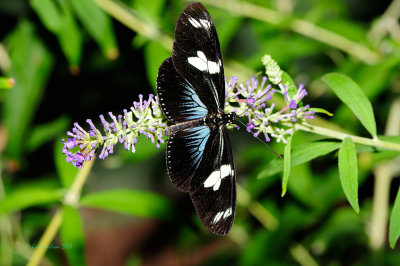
{"x": 192, "y": 106}
{"x": 197, "y": 142}
{"x": 185, "y": 151}
{"x": 178, "y": 99}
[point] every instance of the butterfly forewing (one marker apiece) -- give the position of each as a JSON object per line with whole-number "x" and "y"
{"x": 197, "y": 55}
{"x": 178, "y": 98}
{"x": 213, "y": 185}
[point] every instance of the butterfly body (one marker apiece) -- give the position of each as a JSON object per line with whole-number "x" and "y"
{"x": 211, "y": 121}
{"x": 191, "y": 91}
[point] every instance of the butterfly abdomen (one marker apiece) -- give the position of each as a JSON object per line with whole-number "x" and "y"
{"x": 183, "y": 125}
{"x": 210, "y": 120}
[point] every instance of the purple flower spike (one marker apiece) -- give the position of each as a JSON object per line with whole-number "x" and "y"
{"x": 145, "y": 114}
{"x": 251, "y": 99}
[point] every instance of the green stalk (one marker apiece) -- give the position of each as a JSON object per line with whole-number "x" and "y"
{"x": 302, "y": 256}
{"x": 71, "y": 198}
{"x": 6, "y": 250}
{"x": 130, "y": 19}
{"x": 300, "y": 26}
{"x": 266, "y": 218}
{"x": 383, "y": 175}
{"x": 340, "y": 135}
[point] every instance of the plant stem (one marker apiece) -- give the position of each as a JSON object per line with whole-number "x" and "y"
{"x": 387, "y": 23}
{"x": 6, "y": 249}
{"x": 339, "y": 135}
{"x": 300, "y": 26}
{"x": 71, "y": 198}
{"x": 266, "y": 218}
{"x": 302, "y": 256}
{"x": 46, "y": 238}
{"x": 377, "y": 231}
{"x": 127, "y": 17}
{"x": 384, "y": 174}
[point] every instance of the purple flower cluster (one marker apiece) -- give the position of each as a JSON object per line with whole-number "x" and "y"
{"x": 144, "y": 118}
{"x": 250, "y": 100}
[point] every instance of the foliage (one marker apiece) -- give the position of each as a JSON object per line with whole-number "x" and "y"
{"x": 68, "y": 60}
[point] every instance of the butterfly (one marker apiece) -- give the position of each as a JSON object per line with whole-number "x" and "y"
{"x": 191, "y": 91}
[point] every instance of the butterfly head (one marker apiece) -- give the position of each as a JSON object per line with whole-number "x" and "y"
{"x": 230, "y": 118}
{"x": 221, "y": 119}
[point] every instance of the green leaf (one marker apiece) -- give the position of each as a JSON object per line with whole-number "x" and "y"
{"x": 351, "y": 94}
{"x": 48, "y": 13}
{"x": 301, "y": 154}
{"x": 374, "y": 79}
{"x": 21, "y": 102}
{"x": 302, "y": 186}
{"x": 28, "y": 197}
{"x": 66, "y": 171}
{"x": 321, "y": 111}
{"x": 291, "y": 86}
{"x": 155, "y": 54}
{"x": 286, "y": 165}
{"x": 70, "y": 37}
{"x": 46, "y": 132}
{"x": 98, "y": 24}
{"x": 348, "y": 172}
{"x": 59, "y": 20}
{"x": 394, "y": 226}
{"x": 72, "y": 236}
{"x": 137, "y": 203}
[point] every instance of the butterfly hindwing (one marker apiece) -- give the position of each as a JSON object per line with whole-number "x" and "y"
{"x": 197, "y": 55}
{"x": 185, "y": 151}
{"x": 213, "y": 185}
{"x": 179, "y": 100}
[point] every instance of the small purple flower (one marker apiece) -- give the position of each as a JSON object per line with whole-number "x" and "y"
{"x": 250, "y": 126}
{"x": 292, "y": 104}
{"x": 251, "y": 101}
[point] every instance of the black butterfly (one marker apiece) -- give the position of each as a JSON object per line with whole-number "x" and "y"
{"x": 191, "y": 90}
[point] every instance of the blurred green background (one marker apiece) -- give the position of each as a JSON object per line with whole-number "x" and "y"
{"x": 76, "y": 59}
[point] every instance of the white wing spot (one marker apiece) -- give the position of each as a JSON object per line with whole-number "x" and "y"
{"x": 224, "y": 214}
{"x": 214, "y": 180}
{"x": 227, "y": 213}
{"x": 194, "y": 22}
{"x": 205, "y": 23}
{"x": 201, "y": 63}
{"x": 217, "y": 217}
{"x": 202, "y": 56}
{"x": 213, "y": 67}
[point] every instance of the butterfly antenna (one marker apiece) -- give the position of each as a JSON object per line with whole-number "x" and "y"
{"x": 263, "y": 142}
